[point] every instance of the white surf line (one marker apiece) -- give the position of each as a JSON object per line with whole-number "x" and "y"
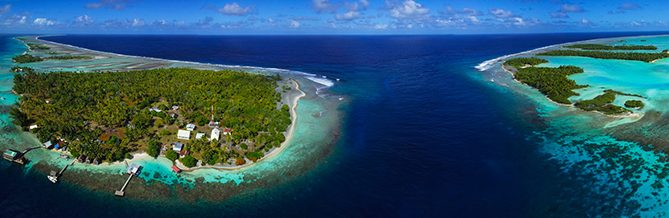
{"x": 270, "y": 69}
{"x": 483, "y": 66}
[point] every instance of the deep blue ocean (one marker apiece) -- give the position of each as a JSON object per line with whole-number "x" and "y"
{"x": 423, "y": 136}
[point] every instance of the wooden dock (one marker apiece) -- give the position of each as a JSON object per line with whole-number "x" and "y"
{"x": 53, "y": 177}
{"x": 121, "y": 192}
{"x": 132, "y": 170}
{"x": 18, "y": 156}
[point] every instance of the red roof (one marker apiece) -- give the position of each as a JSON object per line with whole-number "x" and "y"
{"x": 176, "y": 169}
{"x": 227, "y": 130}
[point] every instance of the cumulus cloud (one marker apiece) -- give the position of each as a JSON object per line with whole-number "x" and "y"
{"x": 111, "y": 4}
{"x": 15, "y": 20}
{"x": 506, "y": 17}
{"x": 321, "y": 6}
{"x": 381, "y": 26}
{"x": 136, "y": 22}
{"x": 294, "y": 24}
{"x": 234, "y": 9}
{"x": 83, "y": 20}
{"x": 458, "y": 18}
{"x": 408, "y": 9}
{"x": 43, "y": 22}
{"x": 566, "y": 9}
{"x": 6, "y": 8}
{"x": 501, "y": 13}
{"x": 353, "y": 10}
{"x": 349, "y": 15}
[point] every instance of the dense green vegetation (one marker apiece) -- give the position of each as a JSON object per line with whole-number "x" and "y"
{"x": 552, "y": 82}
{"x": 171, "y": 155}
{"x": 520, "y": 62}
{"x": 106, "y": 115}
{"x": 153, "y": 149}
{"x": 634, "y": 56}
{"x": 26, "y": 58}
{"x": 188, "y": 161}
{"x": 34, "y": 46}
{"x": 634, "y": 104}
{"x": 611, "y": 47}
{"x": 602, "y": 103}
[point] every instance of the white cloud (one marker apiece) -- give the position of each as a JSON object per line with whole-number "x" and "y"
{"x": 408, "y": 9}
{"x": 519, "y": 21}
{"x": 586, "y": 22}
{"x": 83, "y": 20}
{"x": 234, "y": 9}
{"x": 473, "y": 19}
{"x": 43, "y": 22}
{"x": 350, "y": 15}
{"x": 501, "y": 13}
{"x": 381, "y": 26}
{"x": 354, "y": 10}
{"x": 112, "y": 4}
{"x": 6, "y": 8}
{"x": 136, "y": 22}
{"x": 15, "y": 19}
{"x": 570, "y": 8}
{"x": 323, "y": 6}
{"x": 565, "y": 10}
{"x": 294, "y": 24}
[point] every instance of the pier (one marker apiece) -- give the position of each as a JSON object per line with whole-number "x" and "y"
{"x": 18, "y": 156}
{"x": 132, "y": 170}
{"x": 53, "y": 177}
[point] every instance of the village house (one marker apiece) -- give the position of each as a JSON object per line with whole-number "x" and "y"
{"x": 177, "y": 146}
{"x": 215, "y": 134}
{"x": 227, "y": 131}
{"x": 183, "y": 134}
{"x": 190, "y": 127}
{"x": 199, "y": 135}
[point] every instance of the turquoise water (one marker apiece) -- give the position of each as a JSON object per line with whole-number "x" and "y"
{"x": 312, "y": 134}
{"x": 630, "y": 175}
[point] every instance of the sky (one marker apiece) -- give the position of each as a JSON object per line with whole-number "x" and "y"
{"x": 330, "y": 16}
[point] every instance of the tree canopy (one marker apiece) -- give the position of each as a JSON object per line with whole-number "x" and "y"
{"x": 108, "y": 115}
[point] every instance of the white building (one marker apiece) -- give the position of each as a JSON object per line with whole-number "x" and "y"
{"x": 215, "y": 134}
{"x": 199, "y": 135}
{"x": 183, "y": 134}
{"x": 177, "y": 146}
{"x": 190, "y": 127}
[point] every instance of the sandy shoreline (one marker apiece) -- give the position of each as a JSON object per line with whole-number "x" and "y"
{"x": 289, "y": 136}
{"x": 292, "y": 99}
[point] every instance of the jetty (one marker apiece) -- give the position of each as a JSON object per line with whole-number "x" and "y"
{"x": 18, "y": 156}
{"x": 132, "y": 170}
{"x": 53, "y": 176}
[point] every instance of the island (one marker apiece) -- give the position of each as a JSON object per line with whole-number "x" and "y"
{"x": 632, "y": 56}
{"x": 554, "y": 82}
{"x": 206, "y": 116}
